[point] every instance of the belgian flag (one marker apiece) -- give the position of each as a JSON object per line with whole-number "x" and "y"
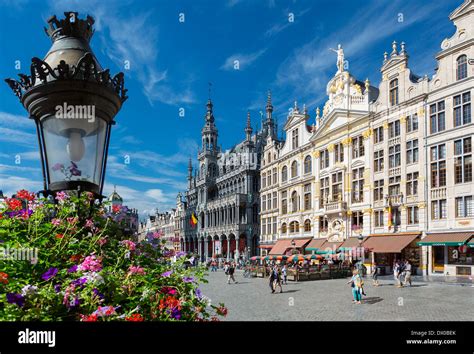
{"x": 194, "y": 219}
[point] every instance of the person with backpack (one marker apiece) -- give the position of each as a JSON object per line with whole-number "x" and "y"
{"x": 230, "y": 273}
{"x": 356, "y": 285}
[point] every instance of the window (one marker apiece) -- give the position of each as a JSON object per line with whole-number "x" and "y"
{"x": 274, "y": 225}
{"x": 378, "y": 216}
{"x": 294, "y": 227}
{"x": 269, "y": 178}
{"x": 337, "y": 186}
{"x": 324, "y": 159}
{"x": 438, "y": 209}
{"x": 294, "y": 202}
{"x": 275, "y": 176}
{"x": 437, "y": 117}
{"x": 284, "y": 174}
{"x": 284, "y": 202}
{"x": 412, "y": 151}
{"x": 294, "y": 169}
{"x": 378, "y": 161}
{"x": 394, "y": 186}
{"x": 463, "y": 160}
{"x": 294, "y": 138}
{"x": 412, "y": 215}
{"x": 461, "y": 67}
{"x": 462, "y": 109}
{"x": 338, "y": 153}
{"x": 464, "y": 207}
{"x": 394, "y": 92}
{"x": 269, "y": 157}
{"x": 412, "y": 123}
{"x": 283, "y": 228}
{"x": 275, "y": 201}
{"x": 378, "y": 190}
{"x": 438, "y": 166}
{"x": 264, "y": 180}
{"x": 358, "y": 185}
{"x": 357, "y": 220}
{"x": 394, "y": 156}
{"x": 357, "y": 147}
{"x": 307, "y": 196}
{"x": 264, "y": 202}
{"x": 394, "y": 129}
{"x": 307, "y": 225}
{"x": 264, "y": 226}
{"x": 324, "y": 190}
{"x": 412, "y": 183}
{"x": 307, "y": 164}
{"x": 378, "y": 135}
{"x": 323, "y": 224}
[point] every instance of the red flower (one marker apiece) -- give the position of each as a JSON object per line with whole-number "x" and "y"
{"x": 221, "y": 310}
{"x": 214, "y": 319}
{"x": 3, "y": 278}
{"x": 75, "y": 258}
{"x": 116, "y": 209}
{"x": 90, "y": 318}
{"x": 24, "y": 194}
{"x": 14, "y": 204}
{"x": 59, "y": 236}
{"x": 170, "y": 302}
{"x": 136, "y": 317}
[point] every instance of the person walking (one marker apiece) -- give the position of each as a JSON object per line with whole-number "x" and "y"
{"x": 356, "y": 285}
{"x": 375, "y": 275}
{"x": 407, "y": 272}
{"x": 230, "y": 272}
{"x": 396, "y": 274}
{"x": 284, "y": 273}
{"x": 272, "y": 280}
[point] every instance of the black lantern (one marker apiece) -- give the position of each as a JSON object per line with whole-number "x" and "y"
{"x": 73, "y": 102}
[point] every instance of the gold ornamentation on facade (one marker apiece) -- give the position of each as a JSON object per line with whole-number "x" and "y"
{"x": 349, "y": 212}
{"x": 331, "y": 147}
{"x": 368, "y": 133}
{"x": 403, "y": 119}
{"x": 402, "y": 67}
{"x": 368, "y": 211}
{"x": 347, "y": 141}
{"x": 385, "y": 125}
{"x": 316, "y": 154}
{"x": 421, "y": 112}
{"x": 385, "y": 77}
{"x": 421, "y": 205}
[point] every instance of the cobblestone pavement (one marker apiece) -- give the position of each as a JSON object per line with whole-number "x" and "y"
{"x": 331, "y": 300}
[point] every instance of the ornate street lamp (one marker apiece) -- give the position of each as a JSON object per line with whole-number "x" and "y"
{"x": 293, "y": 244}
{"x": 73, "y": 102}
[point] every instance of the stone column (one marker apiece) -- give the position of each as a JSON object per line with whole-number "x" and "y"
{"x": 206, "y": 248}
{"x": 228, "y": 248}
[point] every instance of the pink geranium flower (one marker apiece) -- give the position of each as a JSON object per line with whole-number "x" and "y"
{"x": 136, "y": 270}
{"x": 91, "y": 263}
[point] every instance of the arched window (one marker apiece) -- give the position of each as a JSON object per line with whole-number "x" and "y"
{"x": 264, "y": 180}
{"x": 294, "y": 169}
{"x": 394, "y": 92}
{"x": 307, "y": 225}
{"x": 461, "y": 68}
{"x": 284, "y": 174}
{"x": 269, "y": 157}
{"x": 294, "y": 202}
{"x": 294, "y": 227}
{"x": 307, "y": 164}
{"x": 283, "y": 228}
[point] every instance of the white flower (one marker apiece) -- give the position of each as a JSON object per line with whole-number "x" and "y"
{"x": 127, "y": 255}
{"x": 28, "y": 290}
{"x": 94, "y": 277}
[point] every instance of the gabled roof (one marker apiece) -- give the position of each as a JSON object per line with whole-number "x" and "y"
{"x": 466, "y": 7}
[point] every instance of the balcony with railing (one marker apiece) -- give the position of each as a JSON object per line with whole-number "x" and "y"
{"x": 438, "y": 193}
{"x": 396, "y": 199}
{"x": 336, "y": 206}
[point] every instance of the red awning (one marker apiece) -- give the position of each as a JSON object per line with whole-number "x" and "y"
{"x": 266, "y": 246}
{"x": 282, "y": 245}
{"x": 389, "y": 244}
{"x": 315, "y": 244}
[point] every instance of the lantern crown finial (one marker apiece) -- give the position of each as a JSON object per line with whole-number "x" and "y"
{"x": 70, "y": 26}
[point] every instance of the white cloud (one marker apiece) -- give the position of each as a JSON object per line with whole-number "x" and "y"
{"x": 244, "y": 60}
{"x": 11, "y": 184}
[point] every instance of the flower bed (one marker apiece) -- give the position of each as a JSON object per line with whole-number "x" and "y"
{"x": 79, "y": 265}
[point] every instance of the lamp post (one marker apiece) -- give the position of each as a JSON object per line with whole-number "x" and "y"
{"x": 293, "y": 244}
{"x": 73, "y": 102}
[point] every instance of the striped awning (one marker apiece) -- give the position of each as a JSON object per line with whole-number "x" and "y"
{"x": 447, "y": 239}
{"x": 315, "y": 244}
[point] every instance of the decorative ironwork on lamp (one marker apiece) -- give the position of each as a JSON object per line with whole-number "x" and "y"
{"x": 73, "y": 102}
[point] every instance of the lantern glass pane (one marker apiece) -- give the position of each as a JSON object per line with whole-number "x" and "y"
{"x": 74, "y": 148}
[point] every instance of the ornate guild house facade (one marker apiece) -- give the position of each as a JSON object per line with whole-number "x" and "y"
{"x": 387, "y": 168}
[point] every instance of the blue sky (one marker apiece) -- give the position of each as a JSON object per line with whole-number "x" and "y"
{"x": 172, "y": 62}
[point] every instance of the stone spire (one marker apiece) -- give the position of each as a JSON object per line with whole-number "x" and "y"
{"x": 269, "y": 107}
{"x": 190, "y": 173}
{"x": 209, "y": 131}
{"x": 269, "y": 124}
{"x": 394, "y": 49}
{"x": 248, "y": 128}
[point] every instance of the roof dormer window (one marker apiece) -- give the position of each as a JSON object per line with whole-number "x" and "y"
{"x": 394, "y": 92}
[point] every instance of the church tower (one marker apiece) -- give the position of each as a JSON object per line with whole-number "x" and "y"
{"x": 209, "y": 131}
{"x": 269, "y": 127}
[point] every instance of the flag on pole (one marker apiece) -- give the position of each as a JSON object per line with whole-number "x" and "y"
{"x": 194, "y": 219}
